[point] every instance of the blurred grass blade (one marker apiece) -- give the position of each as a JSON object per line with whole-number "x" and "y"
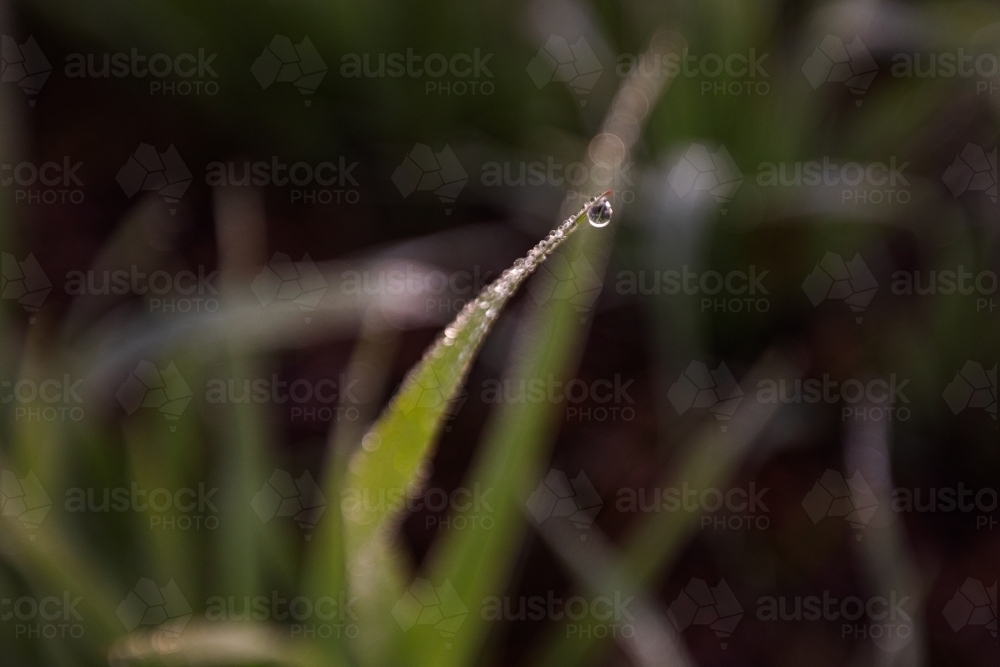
{"x": 403, "y": 437}
{"x": 212, "y": 644}
{"x": 709, "y": 460}
{"x": 240, "y": 229}
{"x": 597, "y": 566}
{"x": 324, "y": 571}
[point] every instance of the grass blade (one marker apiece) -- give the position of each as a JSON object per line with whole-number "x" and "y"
{"x": 388, "y": 465}
{"x": 518, "y": 439}
{"x": 403, "y": 437}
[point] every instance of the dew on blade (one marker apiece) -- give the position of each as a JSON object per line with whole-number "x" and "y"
{"x": 599, "y": 214}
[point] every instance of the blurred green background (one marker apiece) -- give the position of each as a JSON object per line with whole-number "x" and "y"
{"x": 334, "y": 283}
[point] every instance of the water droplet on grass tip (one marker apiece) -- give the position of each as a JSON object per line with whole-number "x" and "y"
{"x": 599, "y": 214}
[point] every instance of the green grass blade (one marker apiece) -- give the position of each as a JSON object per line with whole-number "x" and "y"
{"x": 388, "y": 465}
{"x": 478, "y": 561}
{"x": 403, "y": 437}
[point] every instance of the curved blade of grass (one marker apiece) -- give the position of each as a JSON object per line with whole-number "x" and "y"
{"x": 478, "y": 561}
{"x": 402, "y": 438}
{"x": 517, "y": 442}
{"x": 388, "y": 466}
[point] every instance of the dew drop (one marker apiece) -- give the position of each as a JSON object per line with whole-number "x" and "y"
{"x": 599, "y": 214}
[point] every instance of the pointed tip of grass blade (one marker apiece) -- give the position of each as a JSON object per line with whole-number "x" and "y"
{"x": 404, "y": 434}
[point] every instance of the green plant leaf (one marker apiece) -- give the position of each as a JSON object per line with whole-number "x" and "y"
{"x": 478, "y": 561}
{"x": 402, "y": 439}
{"x": 388, "y": 466}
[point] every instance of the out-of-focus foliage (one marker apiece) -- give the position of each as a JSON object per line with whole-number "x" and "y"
{"x": 702, "y": 190}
